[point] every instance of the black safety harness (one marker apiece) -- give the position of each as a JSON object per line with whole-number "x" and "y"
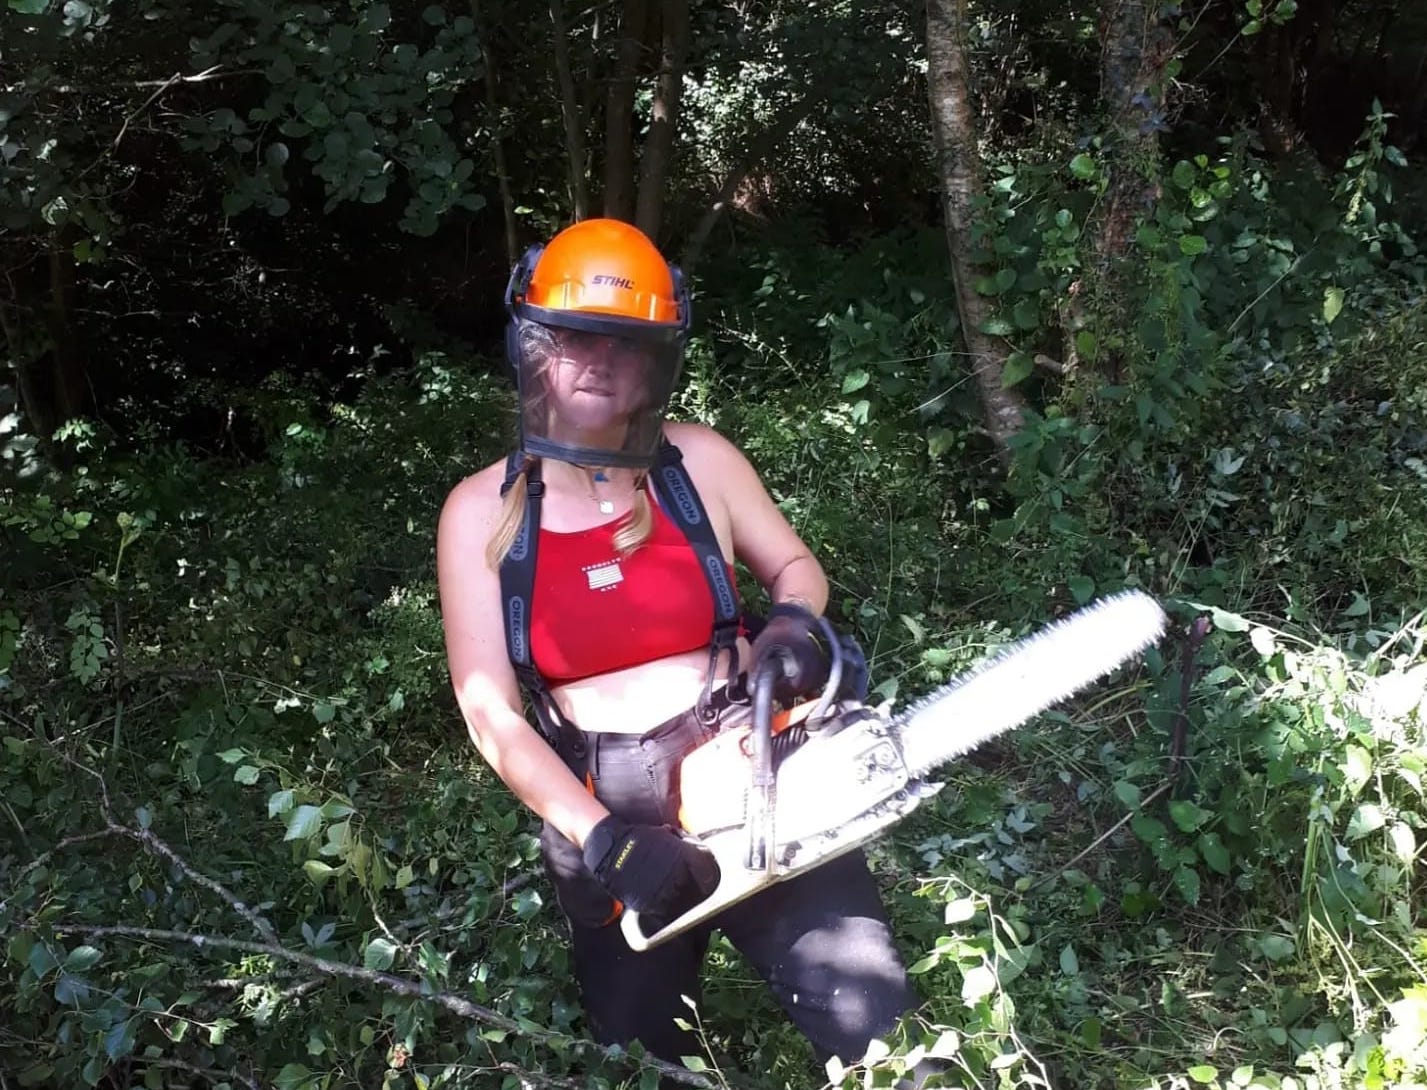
{"x": 680, "y": 500}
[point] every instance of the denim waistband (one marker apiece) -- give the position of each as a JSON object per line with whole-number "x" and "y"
{"x": 581, "y": 749}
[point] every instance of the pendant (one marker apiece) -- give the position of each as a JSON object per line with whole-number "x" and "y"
{"x": 606, "y": 507}
{"x": 599, "y": 475}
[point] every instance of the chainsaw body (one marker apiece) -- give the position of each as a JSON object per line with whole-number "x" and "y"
{"x": 840, "y": 788}
{"x": 770, "y": 803}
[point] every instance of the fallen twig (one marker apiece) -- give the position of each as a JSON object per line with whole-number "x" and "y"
{"x": 1106, "y": 835}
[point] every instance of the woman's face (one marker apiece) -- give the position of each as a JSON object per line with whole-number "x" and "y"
{"x": 596, "y": 381}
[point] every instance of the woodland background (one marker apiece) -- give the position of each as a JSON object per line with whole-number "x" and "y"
{"x": 1012, "y": 303}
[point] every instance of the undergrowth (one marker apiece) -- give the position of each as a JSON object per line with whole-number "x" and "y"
{"x": 251, "y": 844}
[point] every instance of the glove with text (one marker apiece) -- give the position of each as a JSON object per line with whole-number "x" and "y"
{"x": 650, "y": 868}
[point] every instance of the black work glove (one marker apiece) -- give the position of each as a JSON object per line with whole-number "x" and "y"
{"x": 650, "y": 868}
{"x": 793, "y": 635}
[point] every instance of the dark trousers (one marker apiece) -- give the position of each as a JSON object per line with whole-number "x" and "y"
{"x": 821, "y": 940}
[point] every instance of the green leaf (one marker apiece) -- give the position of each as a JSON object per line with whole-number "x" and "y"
{"x": 855, "y": 380}
{"x": 292, "y": 1077}
{"x": 1225, "y": 621}
{"x": 1086, "y": 345}
{"x": 379, "y": 955}
{"x": 119, "y": 1041}
{"x": 1203, "y": 1073}
{"x": 29, "y": 7}
{"x": 246, "y": 774}
{"x": 323, "y": 712}
{"x": 82, "y": 958}
{"x": 1276, "y": 947}
{"x": 1214, "y": 853}
{"x": 1186, "y": 815}
{"x": 1083, "y": 167}
{"x": 694, "y": 1063}
{"x": 1359, "y": 607}
{"x": 1404, "y": 843}
{"x": 1184, "y": 174}
{"x": 231, "y": 756}
{"x": 1192, "y": 245}
{"x": 1367, "y": 818}
{"x": 280, "y": 802}
{"x": 1128, "y": 793}
{"x": 1187, "y": 881}
{"x": 1082, "y": 588}
{"x": 1025, "y": 314}
{"x": 41, "y": 961}
{"x": 1252, "y": 27}
{"x": 1332, "y": 304}
{"x": 1018, "y": 368}
{"x": 303, "y": 822}
{"x": 977, "y": 984}
{"x": 276, "y": 154}
{"x": 435, "y": 15}
{"x": 1069, "y": 963}
{"x": 1005, "y": 280}
{"x": 1356, "y": 768}
{"x": 960, "y": 910}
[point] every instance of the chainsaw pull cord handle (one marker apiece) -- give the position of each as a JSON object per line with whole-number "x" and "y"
{"x": 761, "y": 790}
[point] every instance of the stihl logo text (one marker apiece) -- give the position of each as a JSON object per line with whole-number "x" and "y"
{"x": 615, "y": 281}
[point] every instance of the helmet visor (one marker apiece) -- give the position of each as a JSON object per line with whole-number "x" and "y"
{"x": 594, "y": 396}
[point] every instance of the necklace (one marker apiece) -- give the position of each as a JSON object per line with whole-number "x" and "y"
{"x": 606, "y": 506}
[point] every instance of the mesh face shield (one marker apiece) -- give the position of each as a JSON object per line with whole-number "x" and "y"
{"x": 593, "y": 389}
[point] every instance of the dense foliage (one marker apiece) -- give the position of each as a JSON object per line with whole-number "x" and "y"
{"x": 248, "y": 842}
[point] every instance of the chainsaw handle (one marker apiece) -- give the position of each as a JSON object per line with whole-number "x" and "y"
{"x": 761, "y": 788}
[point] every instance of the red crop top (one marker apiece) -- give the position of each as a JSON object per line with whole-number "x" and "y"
{"x": 593, "y": 611}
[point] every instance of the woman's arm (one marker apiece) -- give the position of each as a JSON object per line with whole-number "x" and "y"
{"x": 761, "y": 536}
{"x": 485, "y": 683}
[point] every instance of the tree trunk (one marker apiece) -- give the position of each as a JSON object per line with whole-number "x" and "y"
{"x": 1136, "y": 47}
{"x": 507, "y": 201}
{"x": 619, "y": 115}
{"x": 664, "y": 116}
{"x": 570, "y": 111}
{"x": 70, "y": 383}
{"x": 959, "y": 171}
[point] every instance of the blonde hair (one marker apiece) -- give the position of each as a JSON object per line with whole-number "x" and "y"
{"x": 636, "y": 530}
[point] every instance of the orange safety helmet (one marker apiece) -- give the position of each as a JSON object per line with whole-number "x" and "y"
{"x": 604, "y": 281}
{"x": 601, "y": 266}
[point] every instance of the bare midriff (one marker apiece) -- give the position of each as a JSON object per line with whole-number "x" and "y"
{"x": 639, "y": 698}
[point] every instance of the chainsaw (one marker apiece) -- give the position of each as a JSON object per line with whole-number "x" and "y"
{"x": 837, "y": 774}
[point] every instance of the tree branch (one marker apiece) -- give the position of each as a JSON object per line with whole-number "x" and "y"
{"x": 211, "y": 1074}
{"x": 148, "y": 839}
{"x": 413, "y": 989}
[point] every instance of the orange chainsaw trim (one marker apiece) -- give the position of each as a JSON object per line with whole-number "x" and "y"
{"x": 712, "y": 776}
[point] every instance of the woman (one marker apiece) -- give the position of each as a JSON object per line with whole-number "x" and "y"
{"x": 613, "y": 640}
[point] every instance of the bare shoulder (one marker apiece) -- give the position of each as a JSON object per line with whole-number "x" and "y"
{"x": 471, "y": 510}
{"x": 707, "y": 449}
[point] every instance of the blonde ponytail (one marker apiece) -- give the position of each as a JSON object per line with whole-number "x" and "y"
{"x": 512, "y": 514}
{"x": 640, "y": 526}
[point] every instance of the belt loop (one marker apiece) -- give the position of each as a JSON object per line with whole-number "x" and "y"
{"x": 593, "y": 742}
